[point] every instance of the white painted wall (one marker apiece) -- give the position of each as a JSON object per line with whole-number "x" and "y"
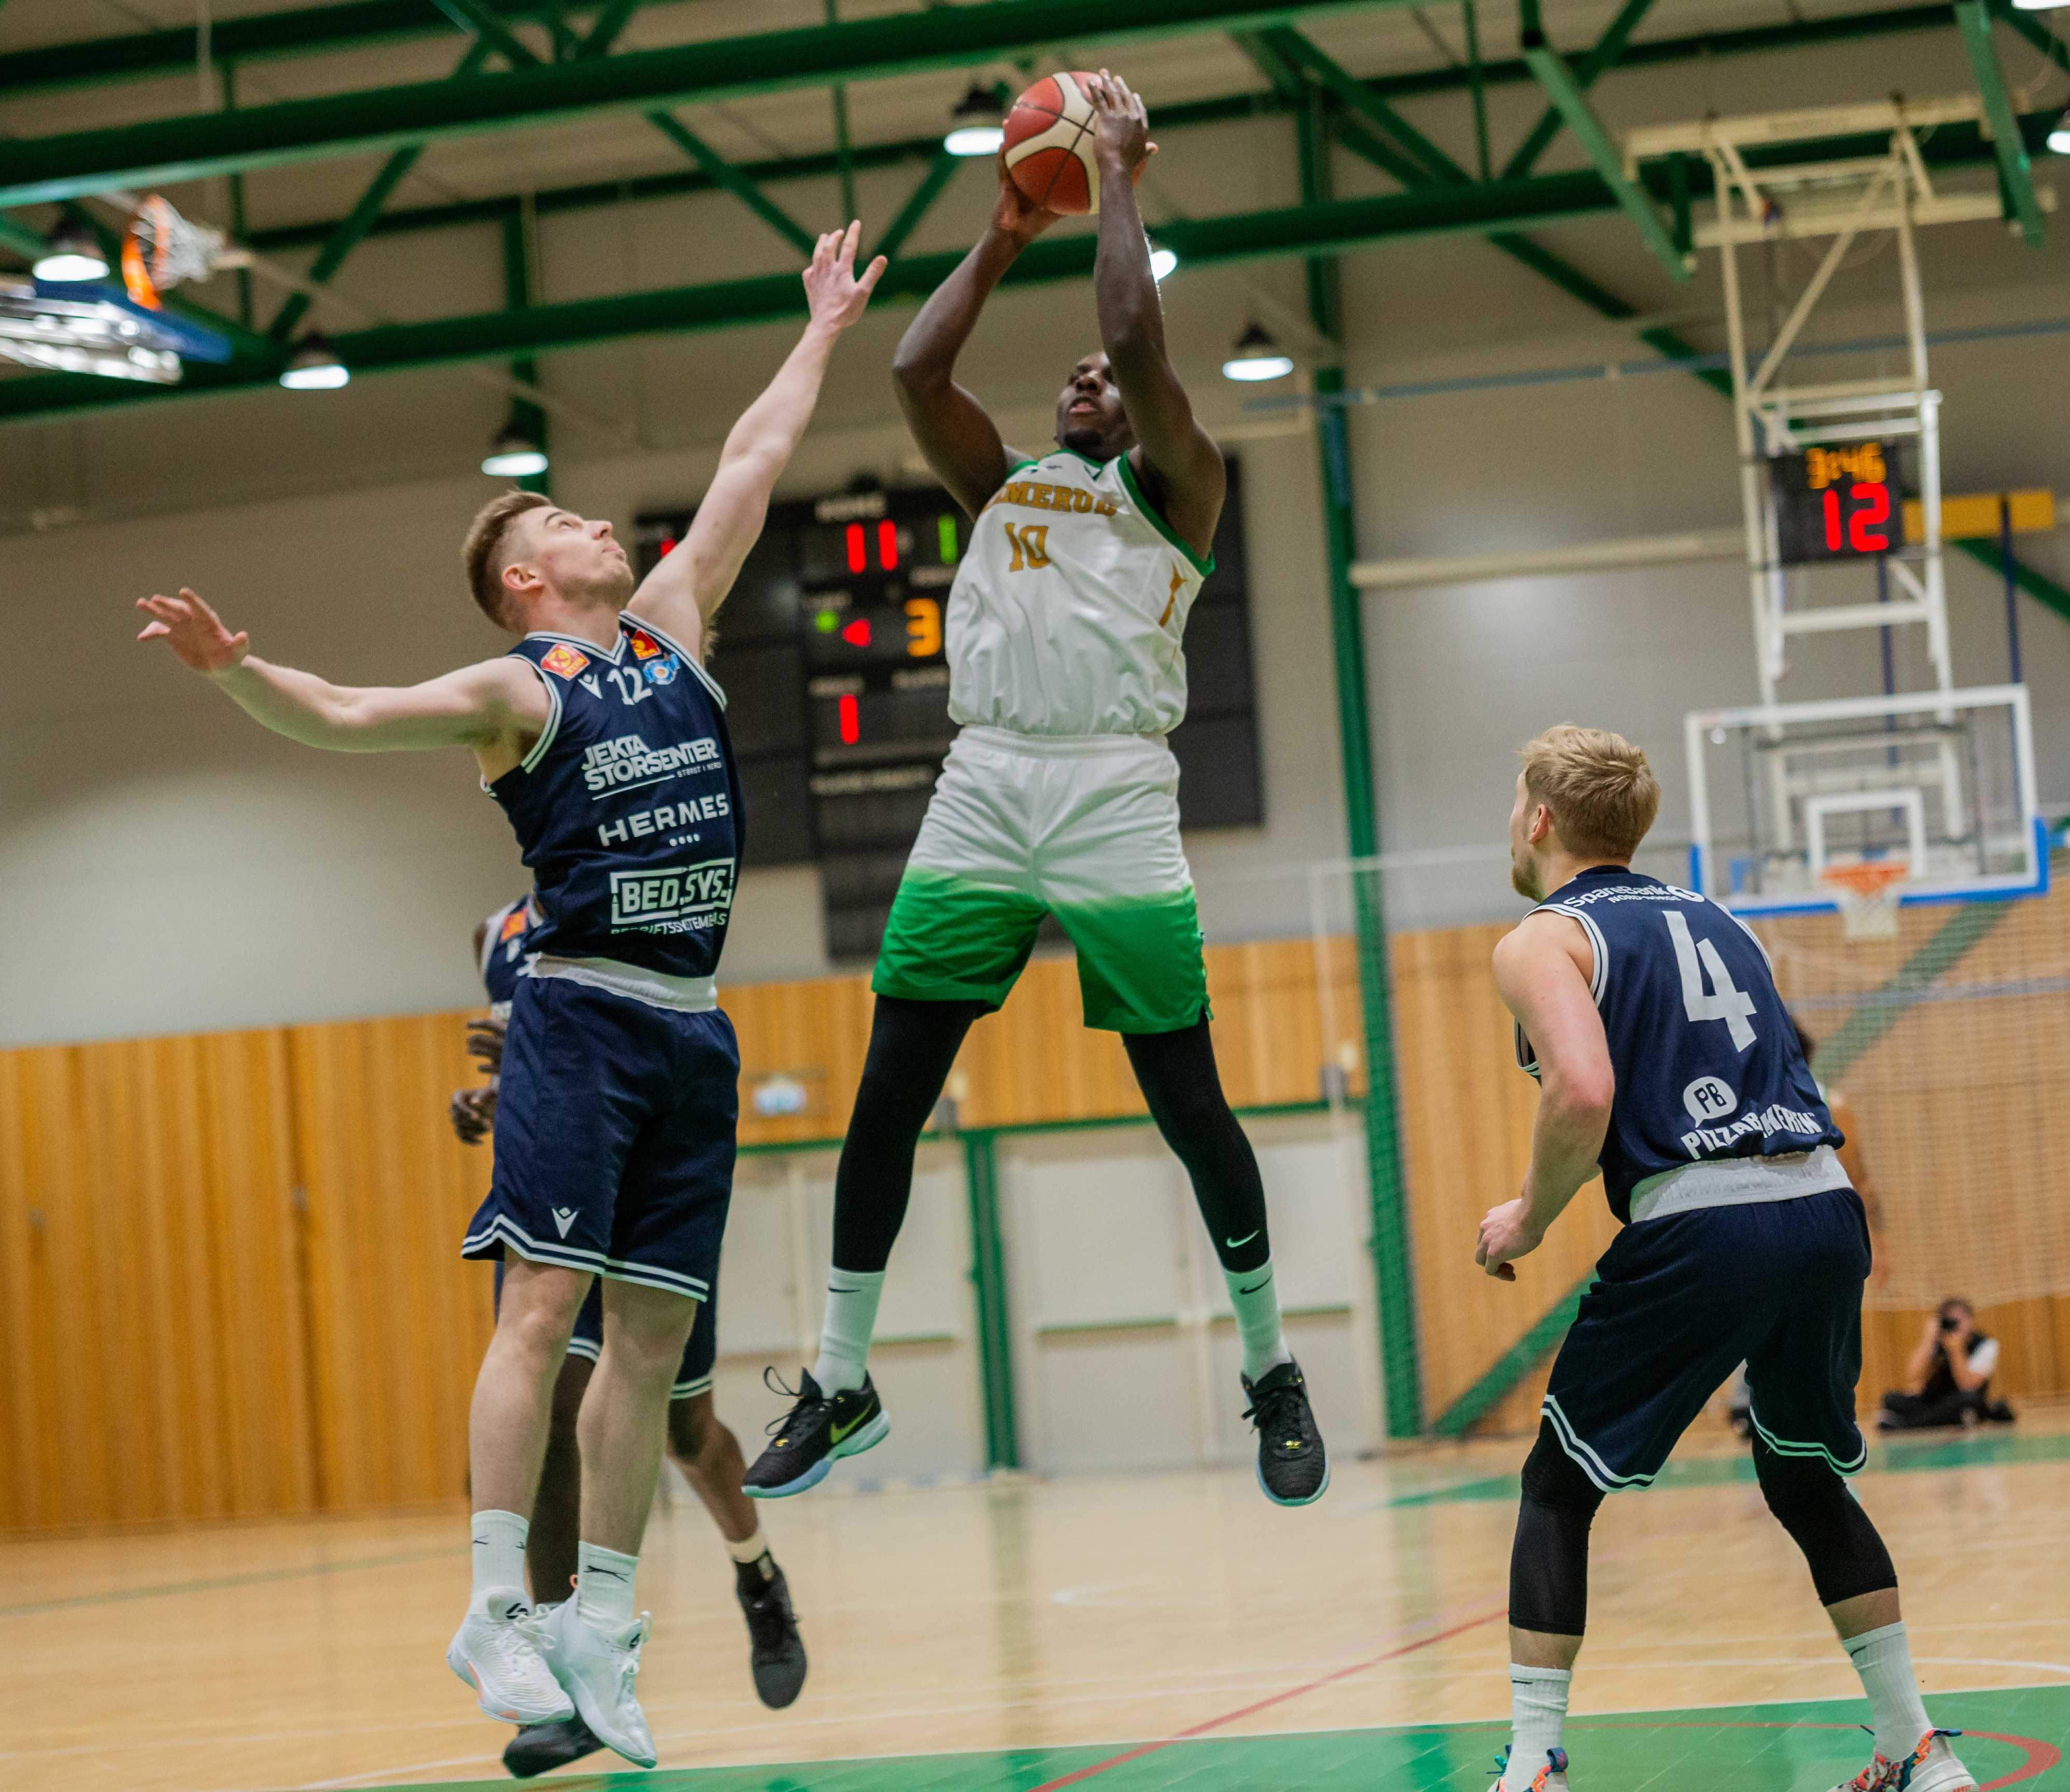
{"x": 165, "y": 865}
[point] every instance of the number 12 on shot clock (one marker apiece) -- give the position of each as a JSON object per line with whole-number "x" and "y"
{"x": 1836, "y": 504}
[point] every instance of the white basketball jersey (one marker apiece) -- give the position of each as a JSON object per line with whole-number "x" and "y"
{"x": 1066, "y": 614}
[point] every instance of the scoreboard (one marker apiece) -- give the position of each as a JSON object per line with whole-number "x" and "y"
{"x": 832, "y": 648}
{"x": 1837, "y": 503}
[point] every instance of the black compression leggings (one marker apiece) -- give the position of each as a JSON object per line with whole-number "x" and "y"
{"x": 912, "y": 1045}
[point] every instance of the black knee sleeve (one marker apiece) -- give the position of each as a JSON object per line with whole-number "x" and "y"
{"x": 1548, "y": 1564}
{"x": 1847, "y": 1556}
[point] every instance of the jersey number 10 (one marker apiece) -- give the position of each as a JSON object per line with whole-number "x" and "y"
{"x": 1030, "y": 543}
{"x": 1724, "y": 1001}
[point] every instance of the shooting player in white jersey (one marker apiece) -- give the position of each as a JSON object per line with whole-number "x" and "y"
{"x": 1666, "y": 1058}
{"x": 602, "y": 738}
{"x": 1060, "y": 797}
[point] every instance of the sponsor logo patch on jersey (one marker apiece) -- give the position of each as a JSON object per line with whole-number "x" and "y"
{"x": 645, "y": 646}
{"x": 513, "y": 923}
{"x": 662, "y": 672}
{"x": 563, "y": 661}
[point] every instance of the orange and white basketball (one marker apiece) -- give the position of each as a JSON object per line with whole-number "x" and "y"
{"x": 1050, "y": 145}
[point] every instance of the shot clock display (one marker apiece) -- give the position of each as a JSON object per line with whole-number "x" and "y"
{"x": 833, "y": 651}
{"x": 1840, "y": 503}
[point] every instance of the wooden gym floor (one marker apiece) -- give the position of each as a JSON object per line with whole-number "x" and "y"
{"x": 1137, "y": 1632}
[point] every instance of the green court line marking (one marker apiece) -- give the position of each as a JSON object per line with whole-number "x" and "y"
{"x": 1967, "y": 1450}
{"x": 2013, "y": 1737}
{"x": 169, "y": 1590}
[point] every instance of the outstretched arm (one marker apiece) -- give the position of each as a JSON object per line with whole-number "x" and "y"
{"x": 1182, "y": 468}
{"x": 497, "y": 707}
{"x": 1542, "y": 974}
{"x": 680, "y": 596}
{"x": 959, "y": 439}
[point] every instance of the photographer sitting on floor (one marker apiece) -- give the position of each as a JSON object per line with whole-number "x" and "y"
{"x": 1948, "y": 1379}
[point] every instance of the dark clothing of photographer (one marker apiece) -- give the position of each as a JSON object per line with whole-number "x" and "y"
{"x": 1948, "y": 1378}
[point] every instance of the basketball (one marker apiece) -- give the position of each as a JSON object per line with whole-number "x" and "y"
{"x": 1049, "y": 145}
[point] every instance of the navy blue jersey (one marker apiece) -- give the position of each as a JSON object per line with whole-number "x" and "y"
{"x": 1706, "y": 1061}
{"x": 503, "y": 951}
{"x": 628, "y": 809}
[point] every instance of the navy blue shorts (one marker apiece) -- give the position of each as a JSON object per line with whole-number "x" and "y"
{"x": 699, "y": 1355}
{"x": 614, "y": 1138}
{"x": 1680, "y": 1300}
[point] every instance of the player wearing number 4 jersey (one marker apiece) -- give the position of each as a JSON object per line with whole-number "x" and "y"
{"x": 1060, "y": 797}
{"x": 1666, "y": 1060}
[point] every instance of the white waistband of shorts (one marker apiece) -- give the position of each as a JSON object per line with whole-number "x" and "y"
{"x": 1738, "y": 1182}
{"x": 656, "y": 988}
{"x": 1054, "y": 746}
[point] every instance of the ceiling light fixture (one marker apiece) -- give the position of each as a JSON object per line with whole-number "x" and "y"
{"x": 71, "y": 253}
{"x": 314, "y": 366}
{"x": 1257, "y": 357}
{"x": 975, "y": 130}
{"x": 514, "y": 454}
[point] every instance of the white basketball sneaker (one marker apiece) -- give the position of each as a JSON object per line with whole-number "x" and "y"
{"x": 1931, "y": 1767}
{"x": 498, "y": 1651}
{"x": 597, "y": 1669}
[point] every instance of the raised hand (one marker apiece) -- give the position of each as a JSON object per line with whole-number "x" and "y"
{"x": 1016, "y": 215}
{"x": 1121, "y": 125}
{"x": 193, "y": 631}
{"x": 834, "y": 294}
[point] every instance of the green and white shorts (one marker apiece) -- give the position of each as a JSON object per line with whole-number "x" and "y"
{"x": 1082, "y": 827}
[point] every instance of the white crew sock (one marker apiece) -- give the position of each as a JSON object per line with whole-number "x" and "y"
{"x": 845, "y": 1335}
{"x": 753, "y": 1550}
{"x": 1257, "y": 1304}
{"x": 1537, "y": 1718}
{"x": 604, "y": 1587}
{"x": 499, "y": 1553}
{"x": 1883, "y": 1658}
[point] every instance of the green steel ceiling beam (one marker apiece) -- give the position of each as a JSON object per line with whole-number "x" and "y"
{"x": 1609, "y": 47}
{"x": 2037, "y": 34}
{"x": 2014, "y": 175}
{"x": 940, "y": 172}
{"x": 165, "y": 150}
{"x": 2037, "y": 585}
{"x": 771, "y": 298}
{"x": 302, "y": 31}
{"x": 1185, "y": 114}
{"x": 1485, "y": 207}
{"x": 474, "y": 16}
{"x": 318, "y": 30}
{"x": 1558, "y": 80}
{"x": 1353, "y": 94}
{"x": 351, "y": 230}
{"x": 722, "y": 173}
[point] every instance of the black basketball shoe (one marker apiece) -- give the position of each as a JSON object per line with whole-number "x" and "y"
{"x": 1293, "y": 1468}
{"x": 817, "y": 1432}
{"x": 776, "y": 1653}
{"x": 540, "y": 1747}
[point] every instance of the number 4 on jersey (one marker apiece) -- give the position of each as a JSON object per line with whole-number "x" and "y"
{"x": 1723, "y": 1000}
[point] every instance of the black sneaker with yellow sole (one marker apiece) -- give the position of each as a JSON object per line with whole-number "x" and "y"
{"x": 1293, "y": 1468}
{"x": 816, "y": 1434}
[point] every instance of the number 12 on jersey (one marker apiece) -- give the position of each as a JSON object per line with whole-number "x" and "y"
{"x": 1724, "y": 1001}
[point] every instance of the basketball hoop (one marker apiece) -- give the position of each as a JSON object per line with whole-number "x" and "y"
{"x": 161, "y": 249}
{"x": 1867, "y": 891}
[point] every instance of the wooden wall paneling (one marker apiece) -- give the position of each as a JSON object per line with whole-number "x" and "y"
{"x": 815, "y": 1031}
{"x": 398, "y": 1320}
{"x": 1466, "y": 1113}
{"x": 261, "y": 1299}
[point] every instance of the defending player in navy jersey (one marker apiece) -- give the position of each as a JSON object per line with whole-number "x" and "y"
{"x": 1667, "y": 1060}
{"x": 603, "y": 739}
{"x": 699, "y": 1442}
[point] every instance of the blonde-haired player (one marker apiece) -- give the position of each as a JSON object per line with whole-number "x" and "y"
{"x": 1667, "y": 1060}
{"x": 1059, "y": 797}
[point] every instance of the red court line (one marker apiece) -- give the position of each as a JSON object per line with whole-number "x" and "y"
{"x": 1266, "y": 1705}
